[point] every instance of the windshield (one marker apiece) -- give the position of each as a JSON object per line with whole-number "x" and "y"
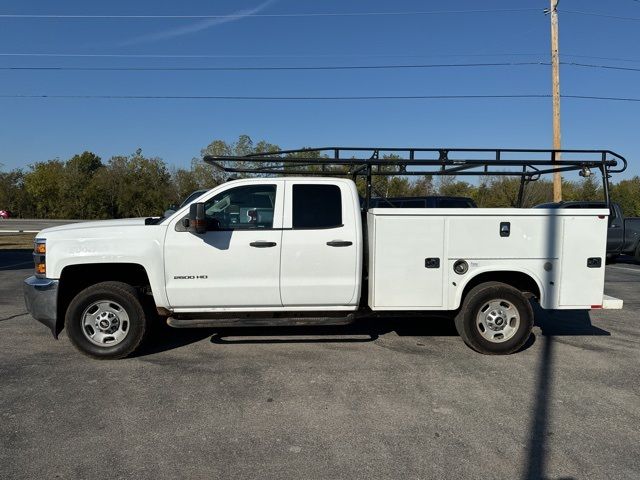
{"x": 192, "y": 197}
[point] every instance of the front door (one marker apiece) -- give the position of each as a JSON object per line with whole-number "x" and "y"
{"x": 236, "y": 263}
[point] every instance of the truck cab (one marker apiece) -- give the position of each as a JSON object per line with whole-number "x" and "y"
{"x": 283, "y": 244}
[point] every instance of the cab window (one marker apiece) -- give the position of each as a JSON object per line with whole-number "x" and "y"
{"x": 246, "y": 207}
{"x": 316, "y": 206}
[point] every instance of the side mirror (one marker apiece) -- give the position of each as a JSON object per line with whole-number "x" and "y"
{"x": 197, "y": 220}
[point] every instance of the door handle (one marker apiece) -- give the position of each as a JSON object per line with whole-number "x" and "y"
{"x": 339, "y": 243}
{"x": 262, "y": 244}
{"x": 432, "y": 262}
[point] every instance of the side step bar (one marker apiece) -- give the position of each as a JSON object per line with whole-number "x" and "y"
{"x": 258, "y": 322}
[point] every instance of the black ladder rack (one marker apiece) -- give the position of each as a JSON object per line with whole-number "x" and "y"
{"x": 367, "y": 162}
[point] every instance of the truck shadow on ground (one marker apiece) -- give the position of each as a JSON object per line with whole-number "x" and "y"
{"x": 556, "y": 323}
{"x": 16, "y": 259}
{"x": 624, "y": 260}
{"x": 565, "y": 322}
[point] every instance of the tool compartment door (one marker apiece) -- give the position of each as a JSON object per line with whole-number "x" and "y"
{"x": 583, "y": 261}
{"x": 408, "y": 261}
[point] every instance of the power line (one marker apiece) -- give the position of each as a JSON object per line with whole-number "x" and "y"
{"x": 592, "y": 97}
{"x": 264, "y": 15}
{"x": 596, "y": 14}
{"x": 242, "y": 97}
{"x": 606, "y": 67}
{"x": 614, "y": 59}
{"x": 222, "y": 56}
{"x": 314, "y": 98}
{"x": 355, "y": 55}
{"x": 320, "y": 67}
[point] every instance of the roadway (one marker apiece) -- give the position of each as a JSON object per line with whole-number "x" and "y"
{"x": 16, "y": 225}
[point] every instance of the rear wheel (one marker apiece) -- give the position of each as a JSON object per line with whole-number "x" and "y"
{"x": 637, "y": 254}
{"x": 495, "y": 319}
{"x": 106, "y": 320}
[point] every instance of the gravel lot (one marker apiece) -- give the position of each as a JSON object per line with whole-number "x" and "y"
{"x": 390, "y": 399}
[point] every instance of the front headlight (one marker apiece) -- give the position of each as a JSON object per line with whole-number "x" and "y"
{"x": 39, "y": 257}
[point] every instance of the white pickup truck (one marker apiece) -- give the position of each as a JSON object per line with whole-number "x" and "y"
{"x": 298, "y": 250}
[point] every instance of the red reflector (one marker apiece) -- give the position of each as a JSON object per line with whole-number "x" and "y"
{"x": 595, "y": 307}
{"x": 601, "y": 216}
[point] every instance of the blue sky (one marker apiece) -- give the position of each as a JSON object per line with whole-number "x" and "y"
{"x": 38, "y": 129}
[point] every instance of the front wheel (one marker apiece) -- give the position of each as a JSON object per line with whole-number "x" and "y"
{"x": 495, "y": 319}
{"x": 106, "y": 320}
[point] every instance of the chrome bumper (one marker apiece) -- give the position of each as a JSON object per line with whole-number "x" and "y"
{"x": 41, "y": 299}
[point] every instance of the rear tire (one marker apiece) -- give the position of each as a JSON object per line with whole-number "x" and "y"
{"x": 107, "y": 320}
{"x": 636, "y": 256}
{"x": 495, "y": 319}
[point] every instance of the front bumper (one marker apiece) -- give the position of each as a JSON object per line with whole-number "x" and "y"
{"x": 41, "y": 299}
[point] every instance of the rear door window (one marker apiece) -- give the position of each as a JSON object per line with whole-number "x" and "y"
{"x": 317, "y": 206}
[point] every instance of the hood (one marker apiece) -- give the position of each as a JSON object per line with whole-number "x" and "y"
{"x": 124, "y": 222}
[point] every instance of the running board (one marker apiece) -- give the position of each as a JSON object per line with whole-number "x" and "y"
{"x": 258, "y": 322}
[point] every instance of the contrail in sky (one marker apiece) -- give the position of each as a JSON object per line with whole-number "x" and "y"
{"x": 196, "y": 27}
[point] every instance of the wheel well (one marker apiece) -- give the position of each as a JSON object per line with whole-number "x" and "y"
{"x": 519, "y": 280}
{"x": 75, "y": 278}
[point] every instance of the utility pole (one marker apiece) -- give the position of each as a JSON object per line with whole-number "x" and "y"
{"x": 555, "y": 76}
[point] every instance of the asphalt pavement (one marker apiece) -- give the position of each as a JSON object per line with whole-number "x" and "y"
{"x": 389, "y": 399}
{"x": 31, "y": 225}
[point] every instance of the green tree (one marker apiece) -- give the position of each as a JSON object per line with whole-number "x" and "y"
{"x": 13, "y": 195}
{"x": 449, "y": 185}
{"x": 503, "y": 191}
{"x": 79, "y": 198}
{"x": 184, "y": 182}
{"x": 589, "y": 189}
{"x": 134, "y": 186}
{"x": 627, "y": 194}
{"x": 243, "y": 146}
{"x": 42, "y": 184}
{"x": 422, "y": 186}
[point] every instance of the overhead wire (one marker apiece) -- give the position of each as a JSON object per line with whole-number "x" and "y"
{"x": 268, "y": 68}
{"x": 356, "y": 55}
{"x": 228, "y": 56}
{"x": 597, "y": 14}
{"x": 318, "y": 67}
{"x": 314, "y": 98}
{"x": 264, "y": 15}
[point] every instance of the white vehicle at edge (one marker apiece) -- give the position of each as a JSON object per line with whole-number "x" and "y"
{"x": 294, "y": 250}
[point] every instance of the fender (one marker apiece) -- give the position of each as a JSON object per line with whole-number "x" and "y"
{"x": 499, "y": 272}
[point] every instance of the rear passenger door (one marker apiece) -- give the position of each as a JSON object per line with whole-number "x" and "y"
{"x": 319, "y": 258}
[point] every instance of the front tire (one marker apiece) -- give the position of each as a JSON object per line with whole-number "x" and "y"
{"x": 106, "y": 320}
{"x": 495, "y": 319}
